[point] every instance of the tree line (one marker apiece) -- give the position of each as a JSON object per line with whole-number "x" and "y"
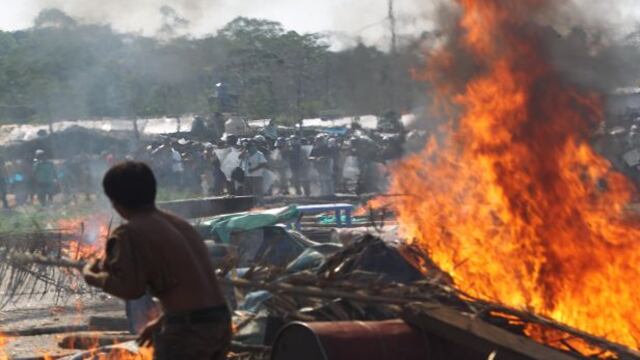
{"x": 61, "y": 68}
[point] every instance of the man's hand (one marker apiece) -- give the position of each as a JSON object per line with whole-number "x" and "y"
{"x": 145, "y": 339}
{"x": 93, "y": 274}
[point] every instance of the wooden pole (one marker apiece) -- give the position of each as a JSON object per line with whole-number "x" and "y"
{"x": 22, "y": 258}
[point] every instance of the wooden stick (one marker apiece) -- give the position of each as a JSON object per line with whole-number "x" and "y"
{"x": 23, "y": 258}
{"x": 308, "y": 291}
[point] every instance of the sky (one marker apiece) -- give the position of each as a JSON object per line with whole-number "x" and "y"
{"x": 343, "y": 20}
{"x": 356, "y": 18}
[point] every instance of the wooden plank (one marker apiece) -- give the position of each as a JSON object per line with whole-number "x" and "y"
{"x": 478, "y": 335}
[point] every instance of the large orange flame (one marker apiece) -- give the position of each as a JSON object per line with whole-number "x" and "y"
{"x": 3, "y": 343}
{"x": 515, "y": 204}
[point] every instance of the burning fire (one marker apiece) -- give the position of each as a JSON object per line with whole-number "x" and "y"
{"x": 96, "y": 351}
{"x": 89, "y": 236}
{"x": 123, "y": 354}
{"x": 3, "y": 343}
{"x": 115, "y": 354}
{"x": 515, "y": 204}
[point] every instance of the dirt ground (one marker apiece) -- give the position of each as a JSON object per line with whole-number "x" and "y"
{"x": 34, "y": 326}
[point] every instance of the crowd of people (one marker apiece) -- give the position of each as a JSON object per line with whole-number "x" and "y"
{"x": 39, "y": 180}
{"x": 321, "y": 164}
{"x": 304, "y": 163}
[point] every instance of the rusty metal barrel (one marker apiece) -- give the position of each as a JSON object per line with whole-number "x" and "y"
{"x": 348, "y": 340}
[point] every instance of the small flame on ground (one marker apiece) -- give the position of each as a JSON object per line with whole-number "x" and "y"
{"x": 115, "y": 353}
{"x": 4, "y": 340}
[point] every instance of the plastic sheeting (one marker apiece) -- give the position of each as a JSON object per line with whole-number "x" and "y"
{"x": 223, "y": 226}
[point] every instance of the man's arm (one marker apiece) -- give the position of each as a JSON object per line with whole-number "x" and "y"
{"x": 262, "y": 163}
{"x": 258, "y": 167}
{"x": 120, "y": 274}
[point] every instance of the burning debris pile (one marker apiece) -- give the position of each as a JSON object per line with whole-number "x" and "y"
{"x": 373, "y": 278}
{"x": 347, "y": 288}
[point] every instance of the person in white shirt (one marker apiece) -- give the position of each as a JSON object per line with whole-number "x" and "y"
{"x": 176, "y": 165}
{"x": 254, "y": 164}
{"x": 280, "y": 164}
{"x": 177, "y": 168}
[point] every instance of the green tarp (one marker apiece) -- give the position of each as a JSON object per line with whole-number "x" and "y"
{"x": 224, "y": 225}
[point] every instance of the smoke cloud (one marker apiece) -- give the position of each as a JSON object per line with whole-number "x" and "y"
{"x": 344, "y": 22}
{"x": 587, "y": 41}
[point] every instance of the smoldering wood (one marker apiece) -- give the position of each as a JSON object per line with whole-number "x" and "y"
{"x": 474, "y": 333}
{"x": 87, "y": 341}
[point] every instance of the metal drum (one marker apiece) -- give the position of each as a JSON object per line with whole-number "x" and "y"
{"x": 349, "y": 340}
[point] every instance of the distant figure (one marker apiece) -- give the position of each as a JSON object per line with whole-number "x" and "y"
{"x": 45, "y": 176}
{"x": 298, "y": 165}
{"x": 280, "y": 164}
{"x": 262, "y": 145}
{"x": 367, "y": 153}
{"x": 18, "y": 181}
{"x": 29, "y": 179}
{"x": 230, "y": 165}
{"x": 163, "y": 255}
{"x": 270, "y": 132}
{"x": 219, "y": 178}
{"x": 390, "y": 123}
{"x": 217, "y": 126}
{"x": 3, "y": 183}
{"x": 198, "y": 128}
{"x": 236, "y": 126}
{"x": 323, "y": 162}
{"x": 254, "y": 163}
{"x": 81, "y": 175}
{"x": 177, "y": 167}
{"x": 334, "y": 153}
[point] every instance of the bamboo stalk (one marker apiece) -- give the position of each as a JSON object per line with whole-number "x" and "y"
{"x": 23, "y": 258}
{"x": 322, "y": 293}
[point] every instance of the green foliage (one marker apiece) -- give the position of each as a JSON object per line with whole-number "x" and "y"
{"x": 64, "y": 69}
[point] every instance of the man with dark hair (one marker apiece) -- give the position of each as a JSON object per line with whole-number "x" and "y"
{"x": 164, "y": 255}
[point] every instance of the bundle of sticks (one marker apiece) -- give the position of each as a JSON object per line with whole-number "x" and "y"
{"x": 25, "y": 273}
